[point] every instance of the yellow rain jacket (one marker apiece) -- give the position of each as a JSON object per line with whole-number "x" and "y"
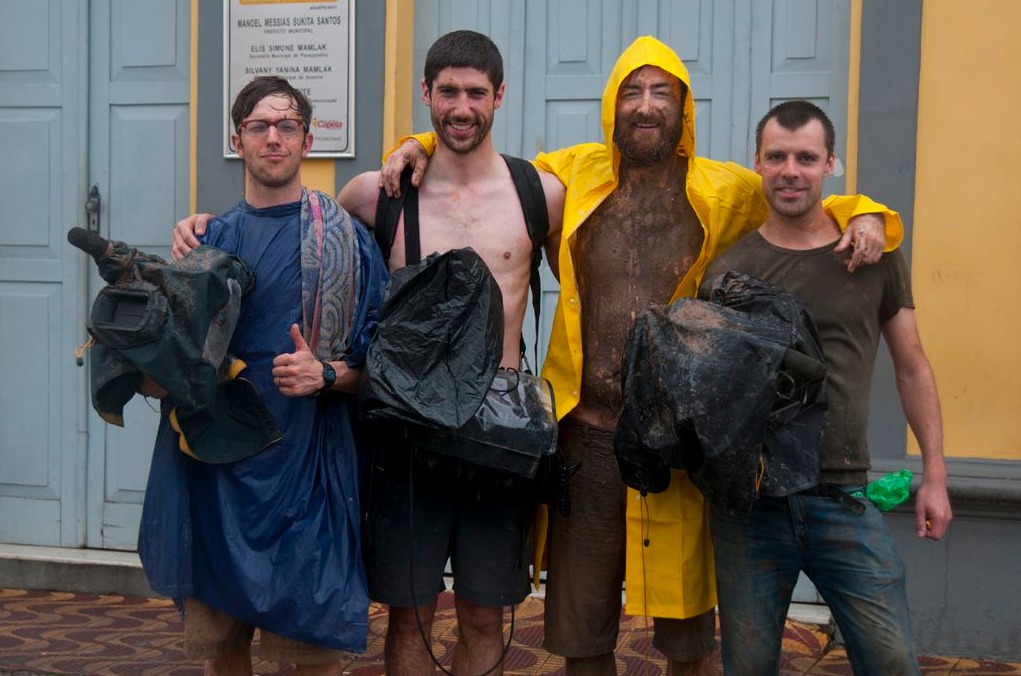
{"x": 673, "y": 575}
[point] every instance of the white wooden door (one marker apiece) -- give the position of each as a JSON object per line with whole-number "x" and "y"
{"x": 138, "y": 136}
{"x": 92, "y": 94}
{"x": 42, "y": 173}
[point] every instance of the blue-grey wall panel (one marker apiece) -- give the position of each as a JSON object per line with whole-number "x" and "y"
{"x": 220, "y": 182}
{"x": 24, "y": 432}
{"x": 795, "y": 56}
{"x": 887, "y": 128}
{"x": 138, "y": 139}
{"x": 30, "y": 145}
{"x": 40, "y": 176}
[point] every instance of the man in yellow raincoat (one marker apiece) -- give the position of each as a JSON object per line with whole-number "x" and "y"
{"x": 643, "y": 218}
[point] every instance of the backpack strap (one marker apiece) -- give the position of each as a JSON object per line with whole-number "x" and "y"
{"x": 533, "y": 205}
{"x": 388, "y": 215}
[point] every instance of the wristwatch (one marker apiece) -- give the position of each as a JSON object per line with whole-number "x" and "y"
{"x": 329, "y": 377}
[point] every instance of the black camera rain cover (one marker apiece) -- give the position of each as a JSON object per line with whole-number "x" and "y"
{"x": 173, "y": 322}
{"x": 438, "y": 344}
{"x": 729, "y": 387}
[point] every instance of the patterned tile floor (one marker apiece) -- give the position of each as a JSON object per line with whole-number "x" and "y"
{"x": 65, "y": 633}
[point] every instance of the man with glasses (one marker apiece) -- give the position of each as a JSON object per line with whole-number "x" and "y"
{"x": 272, "y": 541}
{"x": 467, "y": 199}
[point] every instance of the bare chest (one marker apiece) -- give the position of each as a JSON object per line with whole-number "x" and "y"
{"x": 639, "y": 243}
{"x": 490, "y": 222}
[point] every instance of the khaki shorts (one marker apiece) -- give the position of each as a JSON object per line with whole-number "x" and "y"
{"x": 211, "y": 633}
{"x": 586, "y": 562}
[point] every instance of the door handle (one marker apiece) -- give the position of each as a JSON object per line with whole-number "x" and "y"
{"x": 92, "y": 205}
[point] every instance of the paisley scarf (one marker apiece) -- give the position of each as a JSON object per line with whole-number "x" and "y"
{"x": 329, "y": 274}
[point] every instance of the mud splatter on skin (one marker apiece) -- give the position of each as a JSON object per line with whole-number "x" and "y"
{"x": 631, "y": 254}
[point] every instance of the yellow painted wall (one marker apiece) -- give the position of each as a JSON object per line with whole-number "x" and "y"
{"x": 319, "y": 174}
{"x": 399, "y": 64}
{"x": 853, "y": 82}
{"x": 967, "y": 229}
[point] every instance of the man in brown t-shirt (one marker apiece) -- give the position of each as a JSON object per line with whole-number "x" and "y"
{"x": 842, "y": 544}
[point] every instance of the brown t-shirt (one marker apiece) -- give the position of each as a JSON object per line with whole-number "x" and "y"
{"x": 849, "y": 310}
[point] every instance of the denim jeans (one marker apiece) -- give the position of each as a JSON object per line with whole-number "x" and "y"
{"x": 850, "y": 557}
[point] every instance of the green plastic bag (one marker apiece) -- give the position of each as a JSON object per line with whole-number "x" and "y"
{"x": 888, "y": 491}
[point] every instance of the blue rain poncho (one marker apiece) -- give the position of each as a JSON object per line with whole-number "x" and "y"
{"x": 272, "y": 540}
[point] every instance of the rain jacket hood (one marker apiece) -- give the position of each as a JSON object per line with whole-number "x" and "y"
{"x": 647, "y": 51}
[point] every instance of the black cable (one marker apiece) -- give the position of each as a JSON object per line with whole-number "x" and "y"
{"x": 411, "y": 583}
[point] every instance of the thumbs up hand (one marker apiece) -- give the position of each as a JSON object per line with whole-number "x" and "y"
{"x": 299, "y": 340}
{"x": 298, "y": 373}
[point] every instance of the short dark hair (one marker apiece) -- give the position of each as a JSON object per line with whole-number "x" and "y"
{"x": 793, "y": 115}
{"x": 268, "y": 85}
{"x": 464, "y": 49}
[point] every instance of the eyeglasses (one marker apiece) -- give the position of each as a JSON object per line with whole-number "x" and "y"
{"x": 286, "y": 126}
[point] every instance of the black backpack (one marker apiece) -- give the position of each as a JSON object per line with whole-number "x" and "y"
{"x": 533, "y": 205}
{"x": 554, "y": 473}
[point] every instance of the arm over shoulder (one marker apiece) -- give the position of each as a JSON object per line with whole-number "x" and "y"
{"x": 427, "y": 139}
{"x": 358, "y": 197}
{"x": 555, "y": 193}
{"x": 843, "y": 208}
{"x": 728, "y": 200}
{"x": 560, "y": 163}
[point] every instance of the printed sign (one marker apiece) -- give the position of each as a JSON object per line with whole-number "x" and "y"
{"x": 309, "y": 42}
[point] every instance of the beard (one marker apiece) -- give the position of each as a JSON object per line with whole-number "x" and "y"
{"x": 791, "y": 208}
{"x": 645, "y": 153}
{"x": 460, "y": 145}
{"x": 273, "y": 175}
{"x": 270, "y": 179}
{"x": 269, "y": 175}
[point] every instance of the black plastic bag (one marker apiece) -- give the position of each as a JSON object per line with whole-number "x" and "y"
{"x": 433, "y": 367}
{"x": 438, "y": 344}
{"x": 729, "y": 387}
{"x": 512, "y": 431}
{"x": 173, "y": 322}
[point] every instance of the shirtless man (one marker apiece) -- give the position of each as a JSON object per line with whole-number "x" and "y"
{"x": 466, "y": 198}
{"x": 644, "y": 217}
